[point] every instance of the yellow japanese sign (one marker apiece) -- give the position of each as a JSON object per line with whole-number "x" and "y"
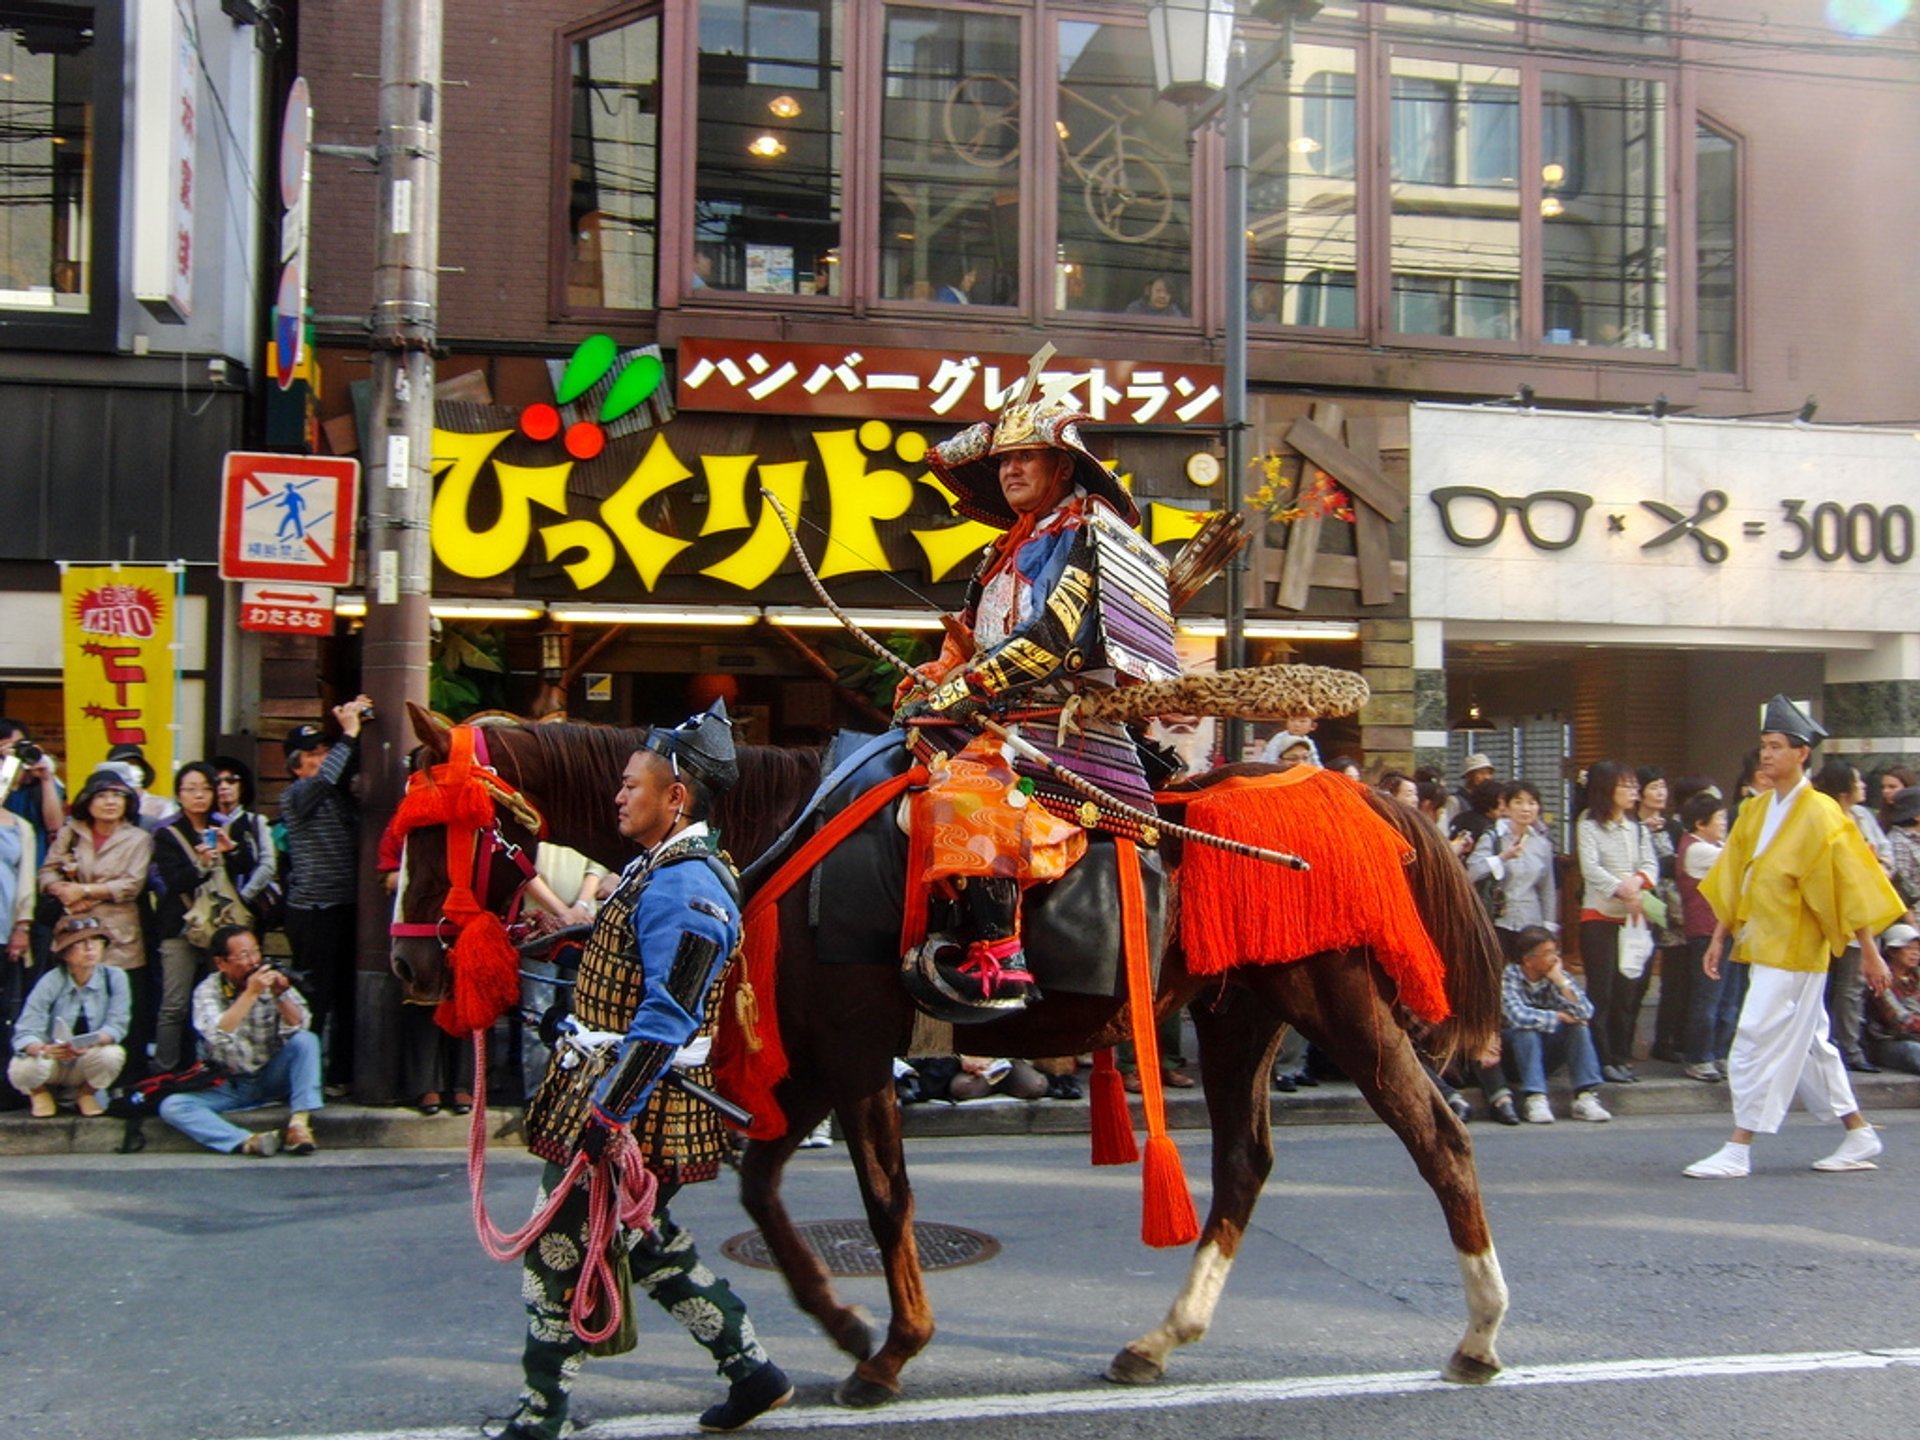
{"x": 118, "y": 625}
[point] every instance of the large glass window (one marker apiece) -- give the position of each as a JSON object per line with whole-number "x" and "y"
{"x": 1454, "y": 182}
{"x": 614, "y": 167}
{"x": 950, "y": 119}
{"x": 1607, "y": 245}
{"x": 1123, "y": 207}
{"x": 1301, "y": 194}
{"x": 769, "y": 166}
{"x": 46, "y": 158}
{"x": 1716, "y": 168}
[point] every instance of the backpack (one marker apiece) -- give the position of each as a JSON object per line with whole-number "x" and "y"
{"x": 141, "y": 1100}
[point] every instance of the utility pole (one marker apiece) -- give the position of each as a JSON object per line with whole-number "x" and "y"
{"x": 398, "y": 450}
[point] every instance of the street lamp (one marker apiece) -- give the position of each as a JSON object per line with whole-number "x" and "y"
{"x": 1197, "y": 56}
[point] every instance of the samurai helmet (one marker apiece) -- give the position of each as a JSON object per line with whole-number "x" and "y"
{"x": 1783, "y": 717}
{"x": 701, "y": 747}
{"x": 968, "y": 463}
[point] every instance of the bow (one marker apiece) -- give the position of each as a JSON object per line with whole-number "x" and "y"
{"x": 1149, "y": 821}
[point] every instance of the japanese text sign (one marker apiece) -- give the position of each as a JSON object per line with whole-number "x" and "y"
{"x": 117, "y": 643}
{"x": 283, "y": 608}
{"x": 288, "y": 517}
{"x": 929, "y": 386}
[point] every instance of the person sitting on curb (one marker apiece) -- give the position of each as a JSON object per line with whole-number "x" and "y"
{"x": 89, "y": 1006}
{"x": 1544, "y": 1020}
{"x": 1893, "y": 1016}
{"x": 256, "y": 1027}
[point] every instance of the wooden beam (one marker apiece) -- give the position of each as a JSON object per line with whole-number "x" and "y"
{"x": 1303, "y": 537}
{"x": 1359, "y": 478}
{"x": 1342, "y": 572}
{"x": 1370, "y": 541}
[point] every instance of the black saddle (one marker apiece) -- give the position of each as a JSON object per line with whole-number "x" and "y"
{"x": 1071, "y": 927}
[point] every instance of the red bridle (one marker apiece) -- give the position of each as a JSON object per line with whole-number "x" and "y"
{"x": 463, "y": 795}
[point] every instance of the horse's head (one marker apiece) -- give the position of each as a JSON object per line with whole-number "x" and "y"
{"x": 494, "y": 845}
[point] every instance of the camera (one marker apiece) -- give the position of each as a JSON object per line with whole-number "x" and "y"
{"x": 367, "y": 713}
{"x": 29, "y": 753}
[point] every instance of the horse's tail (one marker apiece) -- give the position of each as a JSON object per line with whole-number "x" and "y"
{"x": 1460, "y": 929}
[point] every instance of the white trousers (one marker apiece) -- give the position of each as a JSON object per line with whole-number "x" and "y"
{"x": 1780, "y": 1046}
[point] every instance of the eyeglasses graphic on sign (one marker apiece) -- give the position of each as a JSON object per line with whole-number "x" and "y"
{"x": 1474, "y": 517}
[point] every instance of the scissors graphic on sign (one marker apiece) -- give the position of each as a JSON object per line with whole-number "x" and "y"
{"x": 1713, "y": 551}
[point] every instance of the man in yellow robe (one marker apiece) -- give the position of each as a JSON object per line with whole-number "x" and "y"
{"x": 1795, "y": 886}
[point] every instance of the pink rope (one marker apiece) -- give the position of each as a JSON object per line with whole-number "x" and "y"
{"x": 628, "y": 1203}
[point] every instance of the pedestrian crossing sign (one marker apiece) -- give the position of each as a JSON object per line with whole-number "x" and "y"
{"x": 288, "y": 517}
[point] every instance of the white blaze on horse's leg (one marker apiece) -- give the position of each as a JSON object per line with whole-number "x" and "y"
{"x": 1486, "y": 1304}
{"x": 1192, "y": 1309}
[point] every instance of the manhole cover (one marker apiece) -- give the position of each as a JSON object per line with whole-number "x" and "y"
{"x": 847, "y": 1247}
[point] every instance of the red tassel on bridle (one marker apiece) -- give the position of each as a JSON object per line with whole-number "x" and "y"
{"x": 484, "y": 964}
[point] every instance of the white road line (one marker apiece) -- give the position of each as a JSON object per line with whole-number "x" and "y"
{"x": 1119, "y": 1400}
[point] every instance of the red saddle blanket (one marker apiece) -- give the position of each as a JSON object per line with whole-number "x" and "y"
{"x": 1235, "y": 911}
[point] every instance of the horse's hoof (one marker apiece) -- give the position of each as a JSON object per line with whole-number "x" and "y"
{"x": 1130, "y": 1367}
{"x": 856, "y": 1392}
{"x": 854, "y": 1332}
{"x": 1464, "y": 1369}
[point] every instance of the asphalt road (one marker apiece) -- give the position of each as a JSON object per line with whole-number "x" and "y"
{"x": 175, "y": 1297}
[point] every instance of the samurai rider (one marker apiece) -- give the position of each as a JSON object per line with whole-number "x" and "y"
{"x": 1067, "y": 597}
{"x": 657, "y": 947}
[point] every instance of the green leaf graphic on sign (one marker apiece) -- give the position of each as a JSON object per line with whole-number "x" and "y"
{"x": 593, "y": 358}
{"x": 635, "y": 383}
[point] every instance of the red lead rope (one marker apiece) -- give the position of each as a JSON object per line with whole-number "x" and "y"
{"x": 627, "y": 1202}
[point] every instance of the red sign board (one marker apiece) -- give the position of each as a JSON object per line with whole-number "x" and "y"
{"x": 931, "y": 386}
{"x": 288, "y": 517}
{"x": 284, "y": 608}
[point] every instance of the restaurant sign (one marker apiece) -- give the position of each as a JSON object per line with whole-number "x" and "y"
{"x": 931, "y": 386}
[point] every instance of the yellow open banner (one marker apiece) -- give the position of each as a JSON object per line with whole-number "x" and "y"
{"x": 118, "y": 624}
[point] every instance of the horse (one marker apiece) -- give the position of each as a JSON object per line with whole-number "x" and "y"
{"x": 842, "y": 1025}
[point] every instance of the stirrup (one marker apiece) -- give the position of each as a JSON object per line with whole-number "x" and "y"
{"x": 936, "y": 976}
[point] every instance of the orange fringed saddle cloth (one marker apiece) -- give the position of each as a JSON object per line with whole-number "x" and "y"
{"x": 1235, "y": 911}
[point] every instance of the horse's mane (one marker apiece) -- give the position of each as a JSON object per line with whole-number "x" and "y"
{"x": 571, "y": 771}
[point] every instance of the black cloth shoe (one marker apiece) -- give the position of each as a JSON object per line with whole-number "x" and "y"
{"x": 765, "y": 1389}
{"x": 1461, "y": 1107}
{"x": 1063, "y": 1087}
{"x": 1284, "y": 1083}
{"x": 1504, "y": 1112}
{"x": 1617, "y": 1074}
{"x": 1860, "y": 1065}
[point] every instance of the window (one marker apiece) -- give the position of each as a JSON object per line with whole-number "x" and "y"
{"x": 950, "y": 141}
{"x": 1607, "y": 246}
{"x": 769, "y": 164}
{"x": 1716, "y": 163}
{"x": 1301, "y": 194}
{"x": 1122, "y": 208}
{"x": 1454, "y": 167}
{"x": 47, "y": 149}
{"x": 1610, "y": 24}
{"x": 614, "y": 168}
{"x": 1478, "y": 17}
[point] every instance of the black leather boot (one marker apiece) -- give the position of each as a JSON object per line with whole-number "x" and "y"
{"x": 996, "y": 962}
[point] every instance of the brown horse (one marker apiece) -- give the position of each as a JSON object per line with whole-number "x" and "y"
{"x": 842, "y": 1025}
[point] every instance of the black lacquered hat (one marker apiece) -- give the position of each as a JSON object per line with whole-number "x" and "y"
{"x": 701, "y": 747}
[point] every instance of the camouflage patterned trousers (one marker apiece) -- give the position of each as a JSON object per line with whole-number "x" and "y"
{"x": 666, "y": 1267}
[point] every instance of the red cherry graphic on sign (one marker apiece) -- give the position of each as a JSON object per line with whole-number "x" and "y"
{"x": 540, "y": 422}
{"x": 585, "y": 440}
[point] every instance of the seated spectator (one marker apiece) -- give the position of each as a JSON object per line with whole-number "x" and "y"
{"x": 1156, "y": 298}
{"x": 256, "y": 1027}
{"x": 71, "y": 1032}
{"x": 1291, "y": 737}
{"x": 974, "y": 1077}
{"x": 1713, "y": 1003}
{"x": 1544, "y": 1020}
{"x": 1513, "y": 864}
{"x": 1893, "y": 1016}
